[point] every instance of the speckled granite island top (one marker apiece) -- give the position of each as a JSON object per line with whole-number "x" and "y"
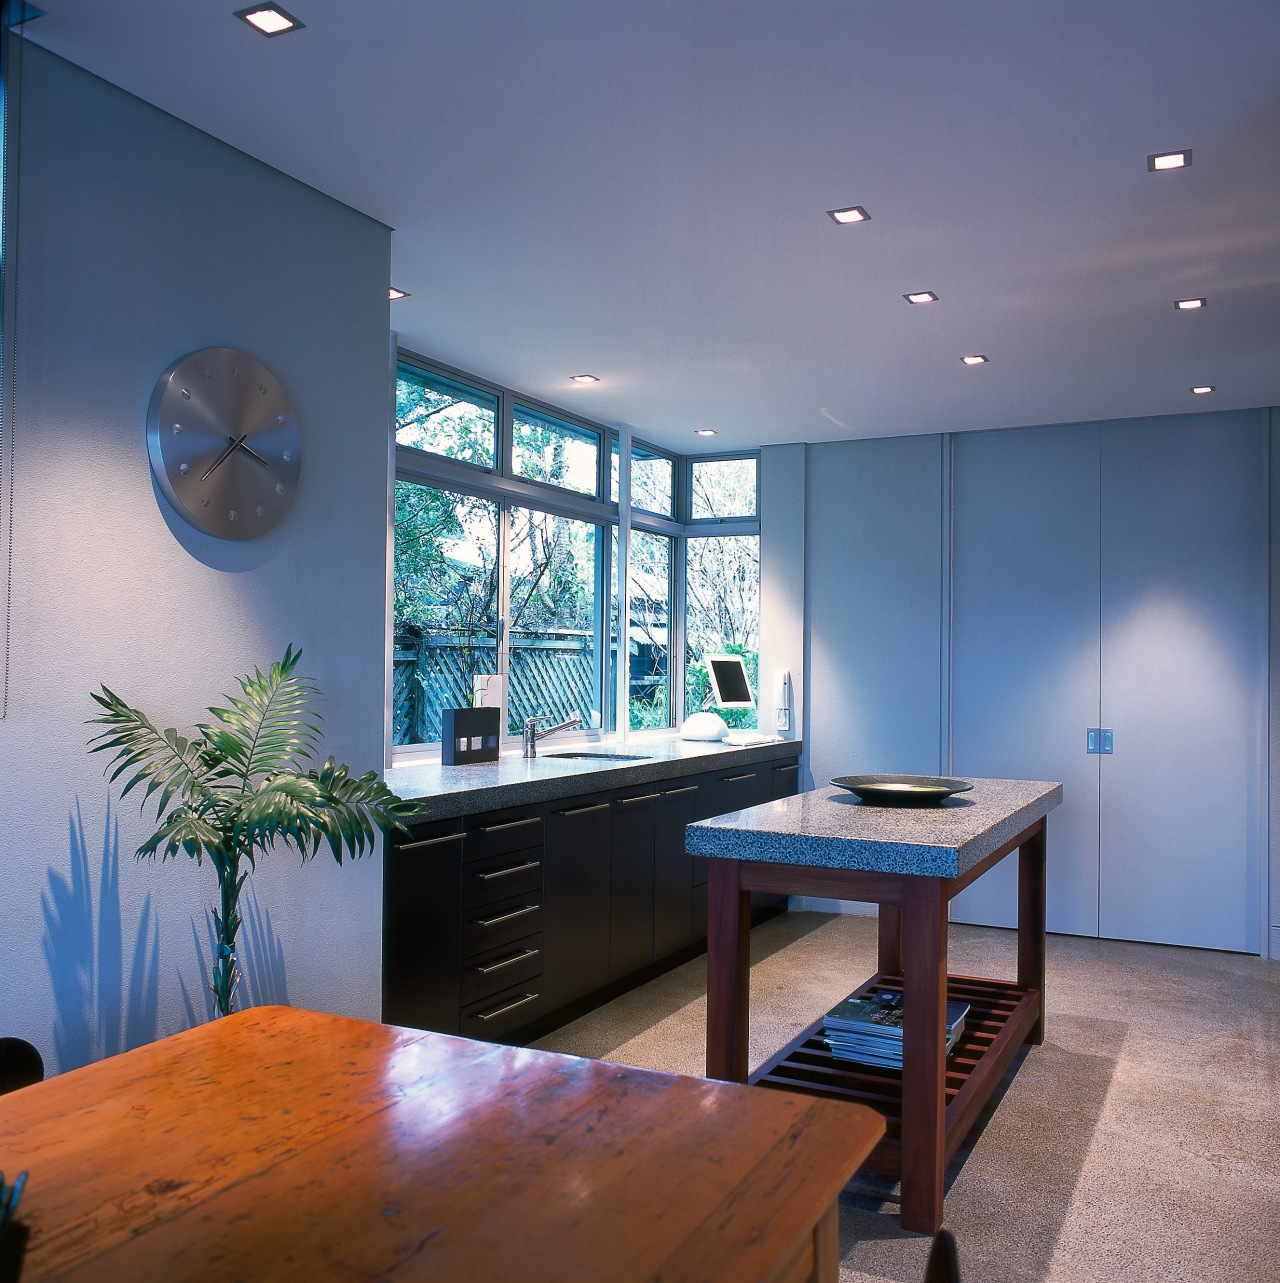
{"x": 450, "y": 791}
{"x": 832, "y": 829}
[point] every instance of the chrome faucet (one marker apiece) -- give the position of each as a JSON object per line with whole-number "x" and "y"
{"x": 532, "y": 734}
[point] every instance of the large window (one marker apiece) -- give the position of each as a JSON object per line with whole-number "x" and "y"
{"x": 652, "y": 481}
{"x": 436, "y": 414}
{"x": 561, "y": 454}
{"x": 722, "y": 488}
{"x": 648, "y": 640}
{"x": 722, "y": 616}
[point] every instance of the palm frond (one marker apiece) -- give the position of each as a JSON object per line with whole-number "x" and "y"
{"x": 168, "y": 763}
{"x": 184, "y": 830}
{"x": 270, "y": 729}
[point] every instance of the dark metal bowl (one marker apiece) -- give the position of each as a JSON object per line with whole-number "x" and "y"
{"x": 901, "y": 790}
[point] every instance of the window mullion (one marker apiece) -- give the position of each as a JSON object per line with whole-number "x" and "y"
{"x": 504, "y": 609}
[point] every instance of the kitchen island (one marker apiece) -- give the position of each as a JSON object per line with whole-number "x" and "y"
{"x": 910, "y": 862}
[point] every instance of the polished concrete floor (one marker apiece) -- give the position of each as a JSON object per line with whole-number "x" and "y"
{"x": 1140, "y": 1142}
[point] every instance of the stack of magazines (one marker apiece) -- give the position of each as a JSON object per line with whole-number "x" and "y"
{"x": 869, "y": 1030}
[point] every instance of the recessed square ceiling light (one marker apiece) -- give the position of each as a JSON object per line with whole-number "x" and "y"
{"x": 706, "y": 432}
{"x": 974, "y": 360}
{"x": 1200, "y": 391}
{"x": 1190, "y": 304}
{"x": 269, "y": 19}
{"x": 925, "y": 296}
{"x": 854, "y": 214}
{"x": 394, "y": 293}
{"x": 1169, "y": 160}
{"x": 584, "y": 378}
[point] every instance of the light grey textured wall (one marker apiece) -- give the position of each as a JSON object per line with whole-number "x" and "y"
{"x": 782, "y": 503}
{"x": 143, "y": 239}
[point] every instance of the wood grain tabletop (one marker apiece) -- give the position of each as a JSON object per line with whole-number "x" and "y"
{"x": 286, "y": 1144}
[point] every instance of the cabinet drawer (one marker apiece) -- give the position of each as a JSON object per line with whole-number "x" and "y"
{"x": 499, "y": 832}
{"x": 501, "y": 876}
{"x": 501, "y": 1013}
{"x": 786, "y": 779}
{"x": 497, "y": 969}
{"x": 500, "y": 923}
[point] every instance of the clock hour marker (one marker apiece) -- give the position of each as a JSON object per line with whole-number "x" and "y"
{"x": 287, "y": 456}
{"x": 279, "y": 488}
{"x": 262, "y": 387}
{"x": 177, "y": 429}
{"x": 231, "y": 516}
{"x": 204, "y": 499}
{"x": 186, "y": 396}
{"x": 183, "y": 468}
{"x": 260, "y": 510}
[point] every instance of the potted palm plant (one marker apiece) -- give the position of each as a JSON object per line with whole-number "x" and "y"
{"x": 242, "y": 784}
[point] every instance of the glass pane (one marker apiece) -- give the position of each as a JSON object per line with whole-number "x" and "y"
{"x": 649, "y": 693}
{"x": 723, "y": 488}
{"x": 555, "y": 656}
{"x": 722, "y": 617}
{"x": 652, "y": 481}
{"x": 445, "y": 417}
{"x": 446, "y": 605}
{"x": 545, "y": 449}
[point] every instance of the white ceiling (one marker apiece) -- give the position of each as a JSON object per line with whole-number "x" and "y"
{"x": 638, "y": 189}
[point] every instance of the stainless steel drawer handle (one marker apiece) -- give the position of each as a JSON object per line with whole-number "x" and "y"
{"x": 511, "y": 1006}
{"x": 733, "y": 779}
{"x": 506, "y": 917}
{"x": 510, "y": 824}
{"x": 688, "y": 788}
{"x": 795, "y": 766}
{"x": 582, "y": 810}
{"x": 515, "y": 868}
{"x": 507, "y": 962}
{"x": 648, "y": 797}
{"x": 417, "y": 846}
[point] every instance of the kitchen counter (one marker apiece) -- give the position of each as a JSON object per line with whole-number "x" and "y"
{"x": 450, "y": 791}
{"x": 830, "y": 828}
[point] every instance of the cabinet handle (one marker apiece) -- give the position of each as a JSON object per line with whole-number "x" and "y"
{"x": 506, "y": 917}
{"x": 506, "y": 962}
{"x": 515, "y": 868}
{"x": 582, "y": 810}
{"x": 511, "y": 1006}
{"x": 648, "y": 797}
{"x": 510, "y": 824}
{"x": 688, "y": 788}
{"x": 733, "y": 779}
{"x": 795, "y": 766}
{"x": 416, "y": 846}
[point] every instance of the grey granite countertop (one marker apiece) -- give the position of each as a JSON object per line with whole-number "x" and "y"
{"x": 449, "y": 791}
{"x": 831, "y": 828}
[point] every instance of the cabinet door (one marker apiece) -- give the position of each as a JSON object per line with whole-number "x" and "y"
{"x": 1184, "y": 679}
{"x": 575, "y": 934}
{"x": 1024, "y": 665}
{"x": 631, "y": 889}
{"x": 785, "y": 779}
{"x": 672, "y": 869}
{"x": 420, "y": 957}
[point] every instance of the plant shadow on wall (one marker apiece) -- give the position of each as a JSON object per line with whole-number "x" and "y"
{"x": 83, "y": 945}
{"x": 241, "y": 785}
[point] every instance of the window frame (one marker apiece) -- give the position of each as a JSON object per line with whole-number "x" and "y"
{"x": 713, "y": 523}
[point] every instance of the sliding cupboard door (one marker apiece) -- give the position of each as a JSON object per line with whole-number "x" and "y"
{"x": 1184, "y": 679}
{"x": 1024, "y": 638}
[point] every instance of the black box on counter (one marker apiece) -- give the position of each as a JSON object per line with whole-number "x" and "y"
{"x": 469, "y": 735}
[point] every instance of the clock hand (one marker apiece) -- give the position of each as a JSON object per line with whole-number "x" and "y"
{"x": 253, "y": 454}
{"x": 225, "y": 455}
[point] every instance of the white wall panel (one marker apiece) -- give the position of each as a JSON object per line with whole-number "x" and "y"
{"x": 1184, "y": 678}
{"x": 1024, "y": 631}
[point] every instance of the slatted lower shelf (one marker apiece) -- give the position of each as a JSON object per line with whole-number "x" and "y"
{"x": 1000, "y": 1016}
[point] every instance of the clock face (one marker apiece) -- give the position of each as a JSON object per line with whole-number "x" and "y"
{"x": 224, "y": 443}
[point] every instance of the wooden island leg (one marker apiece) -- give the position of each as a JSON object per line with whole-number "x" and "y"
{"x": 728, "y": 973}
{"x": 1031, "y": 916}
{"x": 924, "y": 1064}
{"x": 890, "y": 943}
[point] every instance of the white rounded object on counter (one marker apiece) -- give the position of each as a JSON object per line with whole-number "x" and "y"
{"x": 704, "y": 726}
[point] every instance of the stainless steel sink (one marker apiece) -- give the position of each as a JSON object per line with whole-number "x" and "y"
{"x": 615, "y": 757}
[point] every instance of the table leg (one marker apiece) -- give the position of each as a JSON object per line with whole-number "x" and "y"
{"x": 1031, "y": 915}
{"x": 890, "y": 953}
{"x": 924, "y": 1064}
{"x": 728, "y": 973}
{"x": 826, "y": 1246}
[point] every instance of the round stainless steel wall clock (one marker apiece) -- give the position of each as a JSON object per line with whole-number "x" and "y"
{"x": 224, "y": 443}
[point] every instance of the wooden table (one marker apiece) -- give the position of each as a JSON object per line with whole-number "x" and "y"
{"x": 282, "y": 1144}
{"x": 910, "y": 863}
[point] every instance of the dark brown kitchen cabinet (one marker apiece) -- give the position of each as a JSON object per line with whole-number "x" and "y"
{"x": 576, "y": 899}
{"x": 631, "y": 883}
{"x": 673, "y": 869}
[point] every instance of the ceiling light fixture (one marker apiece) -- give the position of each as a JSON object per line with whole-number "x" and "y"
{"x": 394, "y": 293}
{"x": 706, "y": 432}
{"x": 974, "y": 360}
{"x": 269, "y": 19}
{"x": 925, "y": 296}
{"x": 1200, "y": 391}
{"x": 854, "y": 214}
{"x": 584, "y": 378}
{"x": 1169, "y": 160}
{"x": 1190, "y": 304}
